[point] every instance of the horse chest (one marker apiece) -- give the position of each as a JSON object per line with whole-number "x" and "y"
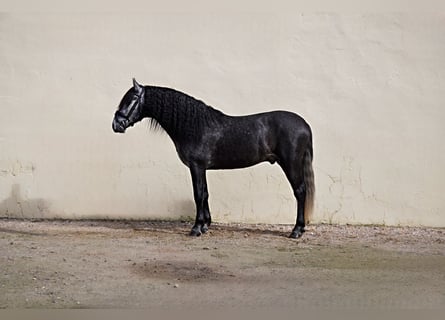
{"x": 197, "y": 154}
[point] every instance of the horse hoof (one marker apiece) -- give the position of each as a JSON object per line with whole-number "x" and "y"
{"x": 295, "y": 234}
{"x": 204, "y": 228}
{"x": 195, "y": 232}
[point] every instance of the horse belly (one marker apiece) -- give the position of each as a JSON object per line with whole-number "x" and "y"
{"x": 234, "y": 152}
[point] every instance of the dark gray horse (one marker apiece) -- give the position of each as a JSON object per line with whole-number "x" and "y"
{"x": 206, "y": 138}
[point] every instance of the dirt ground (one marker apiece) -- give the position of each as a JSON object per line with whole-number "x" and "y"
{"x": 139, "y": 264}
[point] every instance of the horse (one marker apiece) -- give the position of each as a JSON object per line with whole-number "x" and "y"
{"x": 207, "y": 139}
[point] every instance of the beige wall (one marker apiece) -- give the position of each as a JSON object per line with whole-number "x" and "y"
{"x": 371, "y": 86}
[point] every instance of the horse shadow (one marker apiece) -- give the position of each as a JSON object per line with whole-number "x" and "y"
{"x": 182, "y": 227}
{"x": 16, "y": 206}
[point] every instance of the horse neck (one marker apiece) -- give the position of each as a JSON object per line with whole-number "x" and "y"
{"x": 171, "y": 113}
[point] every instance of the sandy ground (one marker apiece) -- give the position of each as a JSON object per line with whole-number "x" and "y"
{"x": 116, "y": 264}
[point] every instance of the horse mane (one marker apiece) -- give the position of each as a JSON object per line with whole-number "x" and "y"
{"x": 179, "y": 114}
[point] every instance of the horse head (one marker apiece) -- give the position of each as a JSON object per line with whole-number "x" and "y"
{"x": 130, "y": 108}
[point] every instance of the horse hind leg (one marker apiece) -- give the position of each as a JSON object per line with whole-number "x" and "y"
{"x": 300, "y": 195}
{"x": 294, "y": 174}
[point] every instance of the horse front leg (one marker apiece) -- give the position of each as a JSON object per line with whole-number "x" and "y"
{"x": 201, "y": 196}
{"x": 207, "y": 217}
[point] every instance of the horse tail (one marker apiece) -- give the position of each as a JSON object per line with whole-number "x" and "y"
{"x": 308, "y": 175}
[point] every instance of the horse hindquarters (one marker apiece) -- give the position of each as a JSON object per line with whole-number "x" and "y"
{"x": 294, "y": 151}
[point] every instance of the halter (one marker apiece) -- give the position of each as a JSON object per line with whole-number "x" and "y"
{"x": 127, "y": 117}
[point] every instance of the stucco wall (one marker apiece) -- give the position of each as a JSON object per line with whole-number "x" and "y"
{"x": 371, "y": 86}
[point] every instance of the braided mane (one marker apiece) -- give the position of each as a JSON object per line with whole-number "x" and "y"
{"x": 179, "y": 114}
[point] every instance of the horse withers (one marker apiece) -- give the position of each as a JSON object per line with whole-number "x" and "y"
{"x": 206, "y": 138}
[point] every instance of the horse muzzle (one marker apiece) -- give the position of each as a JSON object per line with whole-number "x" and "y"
{"x": 118, "y": 126}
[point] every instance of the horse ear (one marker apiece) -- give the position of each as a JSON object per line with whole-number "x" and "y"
{"x": 137, "y": 86}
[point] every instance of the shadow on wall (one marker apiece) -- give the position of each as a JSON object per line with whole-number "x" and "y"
{"x": 17, "y": 207}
